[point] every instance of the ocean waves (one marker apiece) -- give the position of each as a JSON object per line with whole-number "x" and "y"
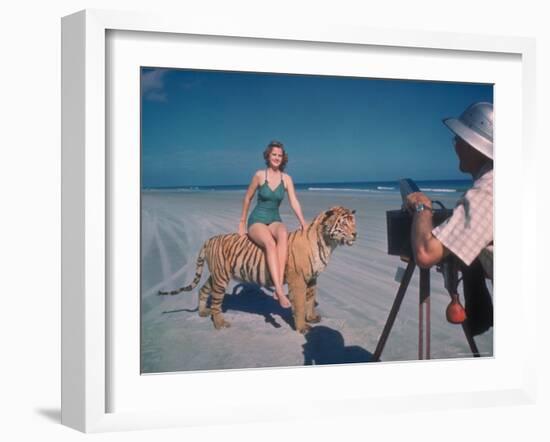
{"x": 384, "y": 187}
{"x": 378, "y": 189}
{"x": 427, "y": 189}
{"x": 340, "y": 189}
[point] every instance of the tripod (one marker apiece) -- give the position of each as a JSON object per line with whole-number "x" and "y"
{"x": 423, "y": 321}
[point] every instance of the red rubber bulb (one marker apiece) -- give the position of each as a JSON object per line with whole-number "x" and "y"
{"x": 455, "y": 312}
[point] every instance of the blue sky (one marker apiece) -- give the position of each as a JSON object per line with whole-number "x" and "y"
{"x": 210, "y": 127}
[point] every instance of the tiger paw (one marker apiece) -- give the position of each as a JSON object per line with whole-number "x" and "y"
{"x": 313, "y": 319}
{"x": 219, "y": 322}
{"x": 204, "y": 312}
{"x": 303, "y": 329}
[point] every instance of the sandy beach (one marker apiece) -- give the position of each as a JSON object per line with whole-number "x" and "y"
{"x": 355, "y": 292}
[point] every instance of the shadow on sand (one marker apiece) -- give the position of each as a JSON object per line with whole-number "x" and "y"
{"x": 326, "y": 346}
{"x": 250, "y": 298}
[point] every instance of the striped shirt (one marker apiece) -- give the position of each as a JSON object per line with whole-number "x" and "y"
{"x": 468, "y": 233}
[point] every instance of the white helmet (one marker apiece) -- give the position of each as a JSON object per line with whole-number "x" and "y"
{"x": 475, "y": 126}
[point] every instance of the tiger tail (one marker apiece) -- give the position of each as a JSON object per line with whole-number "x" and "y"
{"x": 198, "y": 274}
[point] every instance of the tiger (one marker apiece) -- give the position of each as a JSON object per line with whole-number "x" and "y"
{"x": 235, "y": 256}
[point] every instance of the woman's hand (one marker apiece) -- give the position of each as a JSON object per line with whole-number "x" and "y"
{"x": 303, "y": 226}
{"x": 242, "y": 228}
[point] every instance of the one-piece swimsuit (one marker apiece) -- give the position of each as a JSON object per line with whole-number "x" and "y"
{"x": 267, "y": 207}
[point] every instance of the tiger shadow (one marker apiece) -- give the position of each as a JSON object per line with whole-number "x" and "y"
{"x": 250, "y": 298}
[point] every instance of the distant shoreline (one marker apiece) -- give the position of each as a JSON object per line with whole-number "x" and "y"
{"x": 450, "y": 186}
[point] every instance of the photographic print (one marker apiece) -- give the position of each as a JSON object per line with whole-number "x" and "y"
{"x": 294, "y": 220}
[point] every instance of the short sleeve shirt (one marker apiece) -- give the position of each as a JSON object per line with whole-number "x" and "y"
{"x": 468, "y": 233}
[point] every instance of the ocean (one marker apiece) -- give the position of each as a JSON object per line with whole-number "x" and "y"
{"x": 427, "y": 186}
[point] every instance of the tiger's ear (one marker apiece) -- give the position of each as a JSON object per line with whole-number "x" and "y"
{"x": 353, "y": 211}
{"x": 329, "y": 213}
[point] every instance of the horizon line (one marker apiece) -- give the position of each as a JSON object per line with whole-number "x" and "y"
{"x": 303, "y": 183}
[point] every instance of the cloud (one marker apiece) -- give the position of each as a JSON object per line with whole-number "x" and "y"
{"x": 152, "y": 85}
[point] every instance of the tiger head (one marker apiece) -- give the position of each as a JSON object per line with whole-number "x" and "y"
{"x": 338, "y": 225}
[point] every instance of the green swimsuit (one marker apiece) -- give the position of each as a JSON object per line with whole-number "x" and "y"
{"x": 267, "y": 208}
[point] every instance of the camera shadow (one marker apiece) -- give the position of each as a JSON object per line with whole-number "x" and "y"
{"x": 325, "y": 345}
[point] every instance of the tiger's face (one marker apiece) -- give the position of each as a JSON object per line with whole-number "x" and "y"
{"x": 339, "y": 225}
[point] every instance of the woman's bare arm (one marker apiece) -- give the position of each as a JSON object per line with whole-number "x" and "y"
{"x": 294, "y": 203}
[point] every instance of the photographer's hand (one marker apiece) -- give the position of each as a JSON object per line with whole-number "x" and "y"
{"x": 416, "y": 198}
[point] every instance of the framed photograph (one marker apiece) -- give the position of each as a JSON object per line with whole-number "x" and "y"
{"x": 180, "y": 139}
{"x": 201, "y": 147}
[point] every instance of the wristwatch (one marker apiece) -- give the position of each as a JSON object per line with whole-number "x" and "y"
{"x": 420, "y": 207}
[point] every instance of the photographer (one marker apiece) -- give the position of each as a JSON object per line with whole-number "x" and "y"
{"x": 468, "y": 233}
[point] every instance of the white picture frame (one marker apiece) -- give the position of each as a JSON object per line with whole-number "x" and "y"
{"x": 87, "y": 203}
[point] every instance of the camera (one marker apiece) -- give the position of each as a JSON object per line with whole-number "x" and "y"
{"x": 399, "y": 222}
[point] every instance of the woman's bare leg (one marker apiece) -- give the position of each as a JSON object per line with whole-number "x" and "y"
{"x": 261, "y": 235}
{"x": 279, "y": 232}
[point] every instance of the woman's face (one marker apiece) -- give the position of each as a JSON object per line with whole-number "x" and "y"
{"x": 276, "y": 157}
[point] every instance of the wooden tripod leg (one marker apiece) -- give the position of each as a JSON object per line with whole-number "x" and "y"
{"x": 424, "y": 303}
{"x": 394, "y": 310}
{"x": 470, "y": 339}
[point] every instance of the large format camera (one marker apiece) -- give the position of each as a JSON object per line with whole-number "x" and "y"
{"x": 399, "y": 222}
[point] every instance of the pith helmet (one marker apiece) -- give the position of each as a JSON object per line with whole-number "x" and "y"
{"x": 475, "y": 126}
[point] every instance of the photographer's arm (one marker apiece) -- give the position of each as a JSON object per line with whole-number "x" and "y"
{"x": 427, "y": 249}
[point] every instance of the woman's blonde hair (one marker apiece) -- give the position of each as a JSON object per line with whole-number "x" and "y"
{"x": 268, "y": 150}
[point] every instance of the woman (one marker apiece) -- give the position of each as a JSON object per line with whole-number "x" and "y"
{"x": 265, "y": 226}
